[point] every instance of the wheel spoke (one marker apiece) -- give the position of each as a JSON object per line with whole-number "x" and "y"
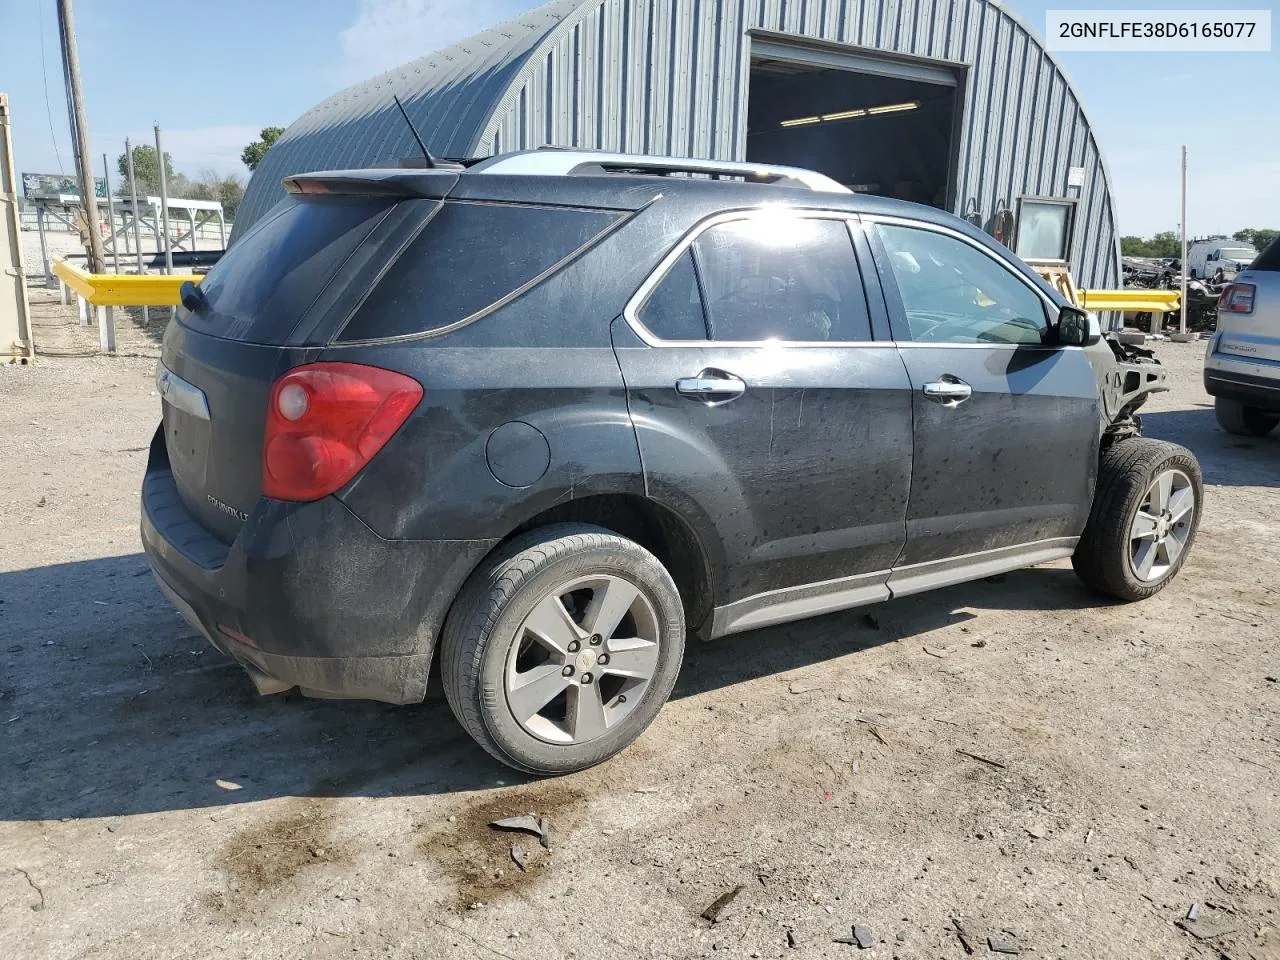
{"x": 609, "y": 604}
{"x": 632, "y": 657}
{"x": 1182, "y": 503}
{"x": 1144, "y": 560}
{"x": 529, "y": 692}
{"x": 587, "y": 717}
{"x": 1173, "y": 547}
{"x": 1144, "y": 526}
{"x": 1161, "y": 492}
{"x": 550, "y": 623}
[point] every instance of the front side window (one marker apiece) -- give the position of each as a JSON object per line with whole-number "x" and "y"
{"x": 782, "y": 278}
{"x": 953, "y": 293}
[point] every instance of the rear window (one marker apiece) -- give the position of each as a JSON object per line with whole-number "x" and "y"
{"x": 262, "y": 286}
{"x": 467, "y": 258}
{"x": 1269, "y": 258}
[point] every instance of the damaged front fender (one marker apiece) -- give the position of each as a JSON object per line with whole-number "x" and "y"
{"x": 1127, "y": 376}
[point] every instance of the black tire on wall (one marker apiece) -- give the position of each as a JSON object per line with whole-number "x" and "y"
{"x": 538, "y": 619}
{"x": 1149, "y": 492}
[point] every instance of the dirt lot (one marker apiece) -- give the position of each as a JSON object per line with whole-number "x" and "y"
{"x": 152, "y": 806}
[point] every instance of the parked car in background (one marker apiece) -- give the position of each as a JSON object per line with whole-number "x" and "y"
{"x": 1242, "y": 363}
{"x": 548, "y": 413}
{"x": 1218, "y": 259}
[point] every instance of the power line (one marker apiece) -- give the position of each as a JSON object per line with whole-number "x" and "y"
{"x": 48, "y": 109}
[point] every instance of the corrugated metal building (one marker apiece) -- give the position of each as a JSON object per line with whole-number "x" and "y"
{"x": 950, "y": 102}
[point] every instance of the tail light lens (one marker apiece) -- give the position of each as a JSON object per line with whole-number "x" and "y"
{"x": 1237, "y": 298}
{"x": 325, "y": 421}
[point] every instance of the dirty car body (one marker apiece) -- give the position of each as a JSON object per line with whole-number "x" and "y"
{"x": 796, "y": 399}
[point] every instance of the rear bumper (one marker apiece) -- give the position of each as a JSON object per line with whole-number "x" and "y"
{"x": 1247, "y": 388}
{"x": 307, "y": 595}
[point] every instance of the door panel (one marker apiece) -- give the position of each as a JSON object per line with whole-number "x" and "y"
{"x": 1006, "y": 424}
{"x": 1014, "y": 463}
{"x": 802, "y": 477}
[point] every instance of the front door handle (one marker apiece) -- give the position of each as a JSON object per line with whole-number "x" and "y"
{"x": 948, "y": 390}
{"x": 711, "y": 387}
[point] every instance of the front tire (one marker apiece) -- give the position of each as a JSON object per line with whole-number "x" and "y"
{"x": 1235, "y": 417}
{"x": 562, "y": 647}
{"x": 1145, "y": 515}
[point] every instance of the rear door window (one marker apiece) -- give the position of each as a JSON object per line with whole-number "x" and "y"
{"x": 674, "y": 309}
{"x": 467, "y": 258}
{"x": 782, "y": 278}
{"x": 262, "y": 286}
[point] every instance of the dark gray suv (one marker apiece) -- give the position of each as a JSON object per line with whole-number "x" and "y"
{"x": 554, "y": 411}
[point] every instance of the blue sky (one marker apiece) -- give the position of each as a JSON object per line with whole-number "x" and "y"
{"x": 213, "y": 74}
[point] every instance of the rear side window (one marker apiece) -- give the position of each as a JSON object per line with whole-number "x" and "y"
{"x": 782, "y": 278}
{"x": 262, "y": 286}
{"x": 467, "y": 258}
{"x": 674, "y": 309}
{"x": 1269, "y": 258}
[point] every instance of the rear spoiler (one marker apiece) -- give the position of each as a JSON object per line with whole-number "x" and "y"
{"x": 430, "y": 184}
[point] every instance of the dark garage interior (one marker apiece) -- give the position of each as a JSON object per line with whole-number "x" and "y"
{"x": 876, "y": 134}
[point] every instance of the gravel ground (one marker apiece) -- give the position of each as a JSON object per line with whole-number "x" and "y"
{"x": 1018, "y": 759}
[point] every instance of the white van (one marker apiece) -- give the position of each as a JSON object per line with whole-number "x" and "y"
{"x": 1207, "y": 257}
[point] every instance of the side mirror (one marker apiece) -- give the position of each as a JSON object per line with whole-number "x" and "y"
{"x": 1075, "y": 328}
{"x": 192, "y": 296}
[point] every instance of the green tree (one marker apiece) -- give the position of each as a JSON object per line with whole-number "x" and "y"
{"x": 228, "y": 191}
{"x": 1164, "y": 244}
{"x": 254, "y": 152}
{"x": 1259, "y": 238}
{"x": 1133, "y": 247}
{"x": 147, "y": 172}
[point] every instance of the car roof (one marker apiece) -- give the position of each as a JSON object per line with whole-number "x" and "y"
{"x": 619, "y": 181}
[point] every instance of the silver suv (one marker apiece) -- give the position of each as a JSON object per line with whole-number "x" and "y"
{"x": 1242, "y": 364}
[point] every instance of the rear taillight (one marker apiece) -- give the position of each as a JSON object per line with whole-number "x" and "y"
{"x": 1237, "y": 298}
{"x": 325, "y": 421}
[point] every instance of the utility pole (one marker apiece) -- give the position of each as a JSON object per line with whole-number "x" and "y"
{"x": 111, "y": 215}
{"x": 1182, "y": 322}
{"x": 164, "y": 204}
{"x": 80, "y": 135}
{"x": 137, "y": 230}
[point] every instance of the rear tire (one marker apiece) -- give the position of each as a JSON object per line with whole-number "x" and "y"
{"x": 562, "y": 647}
{"x": 1235, "y": 417}
{"x": 1145, "y": 515}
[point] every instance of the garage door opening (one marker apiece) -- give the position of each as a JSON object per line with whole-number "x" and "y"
{"x": 892, "y": 136}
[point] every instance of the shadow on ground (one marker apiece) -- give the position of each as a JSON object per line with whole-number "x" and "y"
{"x": 115, "y": 707}
{"x": 1225, "y": 459}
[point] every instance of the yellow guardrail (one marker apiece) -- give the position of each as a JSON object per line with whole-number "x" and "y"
{"x": 1133, "y": 300}
{"x": 124, "y": 290}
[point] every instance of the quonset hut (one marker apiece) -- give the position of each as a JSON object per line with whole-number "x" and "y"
{"x": 954, "y": 103}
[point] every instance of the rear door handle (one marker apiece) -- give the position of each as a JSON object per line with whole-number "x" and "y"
{"x": 711, "y": 386}
{"x": 948, "y": 390}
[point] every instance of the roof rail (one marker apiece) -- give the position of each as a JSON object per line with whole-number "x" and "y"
{"x": 560, "y": 162}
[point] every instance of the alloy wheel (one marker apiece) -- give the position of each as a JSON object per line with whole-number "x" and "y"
{"x": 1162, "y": 526}
{"x": 582, "y": 659}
